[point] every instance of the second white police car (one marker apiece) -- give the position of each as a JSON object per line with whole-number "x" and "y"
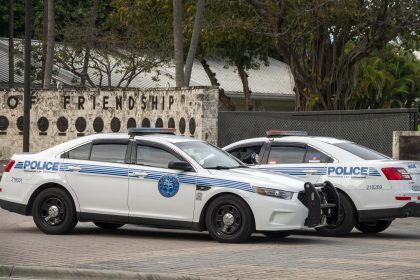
{"x": 153, "y": 178}
{"x": 374, "y": 189}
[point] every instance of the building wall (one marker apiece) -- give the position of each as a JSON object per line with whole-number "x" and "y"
{"x": 192, "y": 111}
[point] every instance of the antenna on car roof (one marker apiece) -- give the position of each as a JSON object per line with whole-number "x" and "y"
{"x": 281, "y": 133}
{"x": 146, "y": 131}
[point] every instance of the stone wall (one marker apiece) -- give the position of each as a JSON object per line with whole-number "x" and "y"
{"x": 406, "y": 145}
{"x": 60, "y": 115}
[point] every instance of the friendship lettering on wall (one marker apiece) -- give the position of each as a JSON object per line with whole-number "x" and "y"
{"x": 58, "y": 116}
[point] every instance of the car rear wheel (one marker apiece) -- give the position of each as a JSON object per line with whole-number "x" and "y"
{"x": 345, "y": 222}
{"x": 373, "y": 227}
{"x": 54, "y": 212}
{"x": 107, "y": 225}
{"x": 277, "y": 234}
{"x": 229, "y": 219}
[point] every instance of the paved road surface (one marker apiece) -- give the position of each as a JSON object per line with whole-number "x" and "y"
{"x": 394, "y": 254}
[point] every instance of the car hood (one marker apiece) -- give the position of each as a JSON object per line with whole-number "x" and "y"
{"x": 261, "y": 178}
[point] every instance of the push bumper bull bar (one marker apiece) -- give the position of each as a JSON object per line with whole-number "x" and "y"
{"x": 323, "y": 203}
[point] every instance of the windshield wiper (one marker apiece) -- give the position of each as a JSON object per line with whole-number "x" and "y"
{"x": 219, "y": 167}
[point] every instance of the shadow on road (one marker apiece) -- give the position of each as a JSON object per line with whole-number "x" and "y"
{"x": 356, "y": 234}
{"x": 190, "y": 235}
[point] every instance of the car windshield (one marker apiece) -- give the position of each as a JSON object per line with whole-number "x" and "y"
{"x": 208, "y": 156}
{"x": 361, "y": 151}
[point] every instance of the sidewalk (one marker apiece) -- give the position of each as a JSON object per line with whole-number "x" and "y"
{"x": 36, "y": 272}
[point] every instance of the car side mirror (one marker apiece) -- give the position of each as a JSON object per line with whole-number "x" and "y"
{"x": 180, "y": 165}
{"x": 255, "y": 158}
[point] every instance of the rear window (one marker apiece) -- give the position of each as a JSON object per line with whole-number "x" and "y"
{"x": 360, "y": 151}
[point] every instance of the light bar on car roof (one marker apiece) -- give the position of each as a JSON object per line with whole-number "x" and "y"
{"x": 281, "y": 133}
{"x": 145, "y": 131}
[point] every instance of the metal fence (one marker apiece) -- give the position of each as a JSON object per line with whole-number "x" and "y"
{"x": 371, "y": 128}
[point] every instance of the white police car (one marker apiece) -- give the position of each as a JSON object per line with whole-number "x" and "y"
{"x": 155, "y": 179}
{"x": 374, "y": 189}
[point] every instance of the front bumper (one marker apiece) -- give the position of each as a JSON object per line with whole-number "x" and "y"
{"x": 411, "y": 209}
{"x": 323, "y": 203}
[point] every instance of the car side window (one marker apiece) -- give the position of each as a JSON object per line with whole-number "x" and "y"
{"x": 80, "y": 153}
{"x": 286, "y": 154}
{"x": 153, "y": 156}
{"x": 315, "y": 156}
{"x": 109, "y": 152}
{"x": 244, "y": 153}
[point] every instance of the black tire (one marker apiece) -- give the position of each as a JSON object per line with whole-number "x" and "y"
{"x": 277, "y": 234}
{"x": 53, "y": 211}
{"x": 373, "y": 227}
{"x": 229, "y": 219}
{"x": 346, "y": 221}
{"x": 107, "y": 225}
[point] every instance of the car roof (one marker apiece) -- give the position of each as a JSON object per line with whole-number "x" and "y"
{"x": 167, "y": 137}
{"x": 79, "y": 141}
{"x": 305, "y": 139}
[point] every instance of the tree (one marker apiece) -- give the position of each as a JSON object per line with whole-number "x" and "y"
{"x": 50, "y": 45}
{"x": 200, "y": 6}
{"x": 183, "y": 74}
{"x": 125, "y": 42}
{"x": 11, "y": 46}
{"x": 388, "y": 78}
{"x": 89, "y": 43}
{"x": 225, "y": 35}
{"x": 178, "y": 43}
{"x": 322, "y": 41}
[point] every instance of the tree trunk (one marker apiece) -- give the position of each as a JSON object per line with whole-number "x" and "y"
{"x": 50, "y": 45}
{"x": 11, "y": 46}
{"x": 226, "y": 100}
{"x": 178, "y": 43}
{"x": 199, "y": 14}
{"x": 89, "y": 42}
{"x": 245, "y": 85}
{"x": 44, "y": 39}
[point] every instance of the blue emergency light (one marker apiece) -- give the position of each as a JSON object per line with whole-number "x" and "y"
{"x": 146, "y": 130}
{"x": 281, "y": 133}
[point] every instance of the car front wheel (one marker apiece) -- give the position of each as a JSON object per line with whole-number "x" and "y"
{"x": 54, "y": 212}
{"x": 345, "y": 222}
{"x": 373, "y": 227}
{"x": 229, "y": 219}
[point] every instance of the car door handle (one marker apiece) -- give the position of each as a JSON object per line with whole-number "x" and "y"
{"x": 310, "y": 171}
{"x": 137, "y": 174}
{"x": 74, "y": 168}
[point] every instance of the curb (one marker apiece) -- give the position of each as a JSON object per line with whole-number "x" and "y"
{"x": 36, "y": 272}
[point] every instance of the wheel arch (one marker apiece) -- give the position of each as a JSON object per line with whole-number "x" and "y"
{"x": 342, "y": 192}
{"x": 38, "y": 190}
{"x": 202, "y": 223}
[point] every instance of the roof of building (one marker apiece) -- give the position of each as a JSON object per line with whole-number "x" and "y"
{"x": 272, "y": 81}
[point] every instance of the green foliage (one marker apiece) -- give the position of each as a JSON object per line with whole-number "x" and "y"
{"x": 388, "y": 79}
{"x": 226, "y": 34}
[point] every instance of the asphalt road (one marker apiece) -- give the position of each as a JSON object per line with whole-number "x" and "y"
{"x": 394, "y": 254}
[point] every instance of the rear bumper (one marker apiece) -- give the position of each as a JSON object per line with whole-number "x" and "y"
{"x": 411, "y": 209}
{"x": 13, "y": 207}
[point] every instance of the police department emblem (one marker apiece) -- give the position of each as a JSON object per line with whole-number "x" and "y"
{"x": 168, "y": 186}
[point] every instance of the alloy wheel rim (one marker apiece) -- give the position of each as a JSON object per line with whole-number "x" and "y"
{"x": 227, "y": 219}
{"x": 52, "y": 211}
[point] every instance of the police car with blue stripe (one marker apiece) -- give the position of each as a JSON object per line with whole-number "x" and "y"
{"x": 154, "y": 178}
{"x": 374, "y": 189}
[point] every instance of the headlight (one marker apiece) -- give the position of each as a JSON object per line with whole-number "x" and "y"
{"x": 274, "y": 193}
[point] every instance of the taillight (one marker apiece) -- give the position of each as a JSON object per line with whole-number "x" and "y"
{"x": 9, "y": 165}
{"x": 393, "y": 173}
